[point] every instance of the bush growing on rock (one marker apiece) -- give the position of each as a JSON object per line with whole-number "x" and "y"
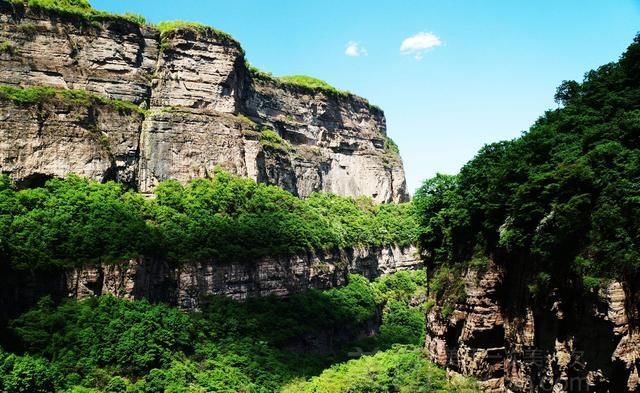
{"x": 76, "y": 221}
{"x": 114, "y": 345}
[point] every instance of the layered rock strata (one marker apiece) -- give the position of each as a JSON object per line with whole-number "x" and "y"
{"x": 197, "y": 88}
{"x": 188, "y": 285}
{"x": 562, "y": 341}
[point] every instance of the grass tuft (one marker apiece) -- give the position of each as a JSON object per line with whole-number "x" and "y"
{"x": 38, "y": 94}
{"x": 169, "y": 27}
{"x": 271, "y": 139}
{"x": 310, "y": 83}
{"x": 390, "y": 147}
{"x": 7, "y": 47}
{"x": 79, "y": 9}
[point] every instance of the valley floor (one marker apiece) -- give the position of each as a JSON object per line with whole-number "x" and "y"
{"x": 298, "y": 344}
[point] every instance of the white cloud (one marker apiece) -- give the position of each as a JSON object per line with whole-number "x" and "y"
{"x": 354, "y": 49}
{"x": 418, "y": 43}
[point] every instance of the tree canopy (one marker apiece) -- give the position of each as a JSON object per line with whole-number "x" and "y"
{"x": 76, "y": 221}
{"x": 564, "y": 197}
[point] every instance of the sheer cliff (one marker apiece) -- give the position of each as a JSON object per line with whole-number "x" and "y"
{"x": 534, "y": 247}
{"x": 202, "y": 107}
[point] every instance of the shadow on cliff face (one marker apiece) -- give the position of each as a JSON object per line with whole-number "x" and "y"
{"x": 21, "y": 290}
{"x": 276, "y": 169}
{"x": 32, "y": 181}
{"x": 563, "y": 337}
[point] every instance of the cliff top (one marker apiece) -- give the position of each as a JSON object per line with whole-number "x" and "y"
{"x": 82, "y": 11}
{"x": 309, "y": 84}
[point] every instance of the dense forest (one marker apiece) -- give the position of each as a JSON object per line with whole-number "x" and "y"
{"x": 112, "y": 345}
{"x": 563, "y": 199}
{"x": 561, "y": 202}
{"x": 73, "y": 222}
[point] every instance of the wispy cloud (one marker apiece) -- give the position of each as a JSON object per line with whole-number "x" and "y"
{"x": 354, "y": 49}
{"x": 418, "y": 43}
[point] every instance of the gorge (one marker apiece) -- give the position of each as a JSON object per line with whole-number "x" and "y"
{"x": 173, "y": 219}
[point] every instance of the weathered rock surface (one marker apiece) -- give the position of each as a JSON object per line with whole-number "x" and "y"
{"x": 190, "y": 284}
{"x": 557, "y": 343}
{"x": 55, "y": 138}
{"x": 196, "y": 84}
{"x": 340, "y": 138}
{"x": 115, "y": 60}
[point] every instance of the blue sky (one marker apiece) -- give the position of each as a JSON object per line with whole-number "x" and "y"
{"x": 491, "y": 72}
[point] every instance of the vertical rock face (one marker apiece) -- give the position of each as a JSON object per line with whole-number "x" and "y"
{"x": 205, "y": 108}
{"x": 183, "y": 144}
{"x": 199, "y": 70}
{"x": 56, "y": 138}
{"x": 115, "y": 59}
{"x": 341, "y": 139}
{"x": 560, "y": 342}
{"x": 471, "y": 340}
{"x": 189, "y": 285}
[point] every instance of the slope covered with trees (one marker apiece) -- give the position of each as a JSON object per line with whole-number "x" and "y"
{"x": 75, "y": 221}
{"x": 562, "y": 200}
{"x": 112, "y": 345}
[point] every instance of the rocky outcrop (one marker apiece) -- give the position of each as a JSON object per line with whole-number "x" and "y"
{"x": 205, "y": 109}
{"x": 470, "y": 340}
{"x": 115, "y": 59}
{"x": 339, "y": 141}
{"x": 54, "y": 138}
{"x": 561, "y": 341}
{"x": 189, "y": 284}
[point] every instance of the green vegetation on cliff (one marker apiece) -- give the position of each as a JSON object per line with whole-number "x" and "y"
{"x": 169, "y": 27}
{"x": 272, "y": 140}
{"x": 40, "y": 94}
{"x": 114, "y": 345}
{"x": 75, "y": 221}
{"x": 563, "y": 199}
{"x": 402, "y": 369}
{"x": 311, "y": 83}
{"x": 78, "y": 9}
{"x": 81, "y": 10}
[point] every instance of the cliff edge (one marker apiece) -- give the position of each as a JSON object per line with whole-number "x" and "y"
{"x": 201, "y": 106}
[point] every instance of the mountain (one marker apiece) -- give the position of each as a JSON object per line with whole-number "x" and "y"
{"x": 534, "y": 247}
{"x": 197, "y": 105}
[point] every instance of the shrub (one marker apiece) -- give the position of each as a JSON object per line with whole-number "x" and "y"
{"x": 401, "y": 369}
{"x": 272, "y": 140}
{"x": 76, "y": 222}
{"x": 20, "y": 374}
{"x": 105, "y": 343}
{"x": 38, "y": 94}
{"x": 402, "y": 324}
{"x": 7, "y": 47}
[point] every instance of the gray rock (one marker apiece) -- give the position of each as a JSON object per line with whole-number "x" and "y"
{"x": 188, "y": 285}
{"x": 195, "y": 85}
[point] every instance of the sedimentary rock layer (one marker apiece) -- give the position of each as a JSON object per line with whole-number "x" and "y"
{"x": 189, "y": 284}
{"x": 195, "y": 86}
{"x": 561, "y": 341}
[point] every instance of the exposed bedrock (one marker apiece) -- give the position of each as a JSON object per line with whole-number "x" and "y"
{"x": 205, "y": 109}
{"x": 189, "y": 284}
{"x": 560, "y": 341}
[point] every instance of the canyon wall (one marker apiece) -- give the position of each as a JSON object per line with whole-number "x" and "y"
{"x": 563, "y": 340}
{"x": 190, "y": 284}
{"x": 202, "y": 107}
